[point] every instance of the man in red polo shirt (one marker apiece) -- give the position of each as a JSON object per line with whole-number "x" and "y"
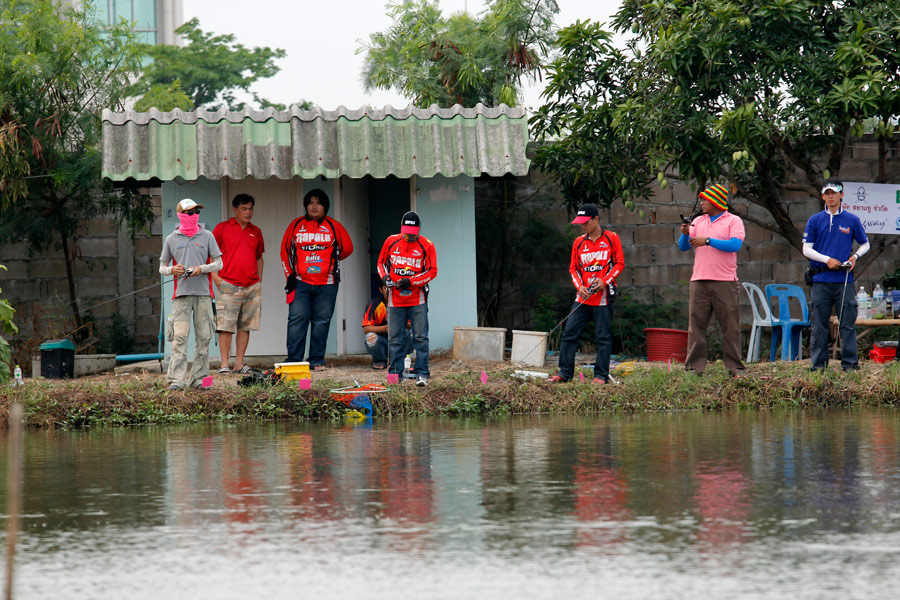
{"x": 595, "y": 263}
{"x": 239, "y": 282}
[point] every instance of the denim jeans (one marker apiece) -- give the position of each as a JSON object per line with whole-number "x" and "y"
{"x": 418, "y": 316}
{"x": 379, "y": 351}
{"x": 602, "y": 316}
{"x": 826, "y": 296}
{"x": 312, "y": 308}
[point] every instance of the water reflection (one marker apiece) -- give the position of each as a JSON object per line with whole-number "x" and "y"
{"x": 732, "y": 496}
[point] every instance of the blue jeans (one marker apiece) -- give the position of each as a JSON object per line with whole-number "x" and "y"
{"x": 824, "y": 297}
{"x": 379, "y": 350}
{"x": 311, "y": 309}
{"x": 602, "y": 335}
{"x": 418, "y": 316}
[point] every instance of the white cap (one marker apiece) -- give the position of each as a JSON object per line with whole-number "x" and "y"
{"x": 832, "y": 186}
{"x": 188, "y": 204}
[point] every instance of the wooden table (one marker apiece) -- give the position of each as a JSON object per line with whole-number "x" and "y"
{"x": 868, "y": 324}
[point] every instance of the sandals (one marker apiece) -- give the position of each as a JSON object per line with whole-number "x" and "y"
{"x": 224, "y": 371}
{"x": 379, "y": 366}
{"x": 244, "y": 370}
{"x": 317, "y": 368}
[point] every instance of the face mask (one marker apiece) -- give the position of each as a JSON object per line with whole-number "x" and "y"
{"x": 188, "y": 223}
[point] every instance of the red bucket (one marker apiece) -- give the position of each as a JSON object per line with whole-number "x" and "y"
{"x": 664, "y": 345}
{"x": 883, "y": 352}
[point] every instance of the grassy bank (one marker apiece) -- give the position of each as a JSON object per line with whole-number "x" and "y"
{"x": 112, "y": 402}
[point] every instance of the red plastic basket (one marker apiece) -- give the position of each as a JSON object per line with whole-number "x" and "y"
{"x": 882, "y": 354}
{"x": 664, "y": 345}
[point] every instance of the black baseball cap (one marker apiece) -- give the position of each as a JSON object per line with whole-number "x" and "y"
{"x": 586, "y": 213}
{"x": 410, "y": 223}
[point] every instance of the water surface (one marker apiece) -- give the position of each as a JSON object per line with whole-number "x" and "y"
{"x": 740, "y": 505}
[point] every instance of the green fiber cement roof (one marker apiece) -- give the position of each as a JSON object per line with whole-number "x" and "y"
{"x": 296, "y": 143}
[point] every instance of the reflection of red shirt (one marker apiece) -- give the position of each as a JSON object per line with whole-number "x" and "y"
{"x": 414, "y": 260}
{"x": 241, "y": 249}
{"x": 596, "y": 259}
{"x": 310, "y": 249}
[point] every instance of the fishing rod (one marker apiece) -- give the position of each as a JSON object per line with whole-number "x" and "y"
{"x": 846, "y": 266}
{"x": 187, "y": 273}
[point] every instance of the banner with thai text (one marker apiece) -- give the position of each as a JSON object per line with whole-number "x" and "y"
{"x": 876, "y": 204}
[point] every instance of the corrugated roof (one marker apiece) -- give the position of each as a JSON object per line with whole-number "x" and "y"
{"x": 305, "y": 143}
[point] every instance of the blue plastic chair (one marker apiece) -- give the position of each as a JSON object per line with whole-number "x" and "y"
{"x": 784, "y": 328}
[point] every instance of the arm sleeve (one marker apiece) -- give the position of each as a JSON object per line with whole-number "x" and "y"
{"x": 165, "y": 269}
{"x": 732, "y": 245}
{"x": 212, "y": 267}
{"x": 618, "y": 259}
{"x": 684, "y": 243}
{"x": 429, "y": 261}
{"x": 862, "y": 249}
{"x": 286, "y": 242}
{"x": 383, "y": 258}
{"x": 815, "y": 255}
{"x": 346, "y": 244}
{"x": 574, "y": 270}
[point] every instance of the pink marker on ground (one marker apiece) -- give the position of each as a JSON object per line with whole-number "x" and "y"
{"x": 483, "y": 377}
{"x": 206, "y": 381}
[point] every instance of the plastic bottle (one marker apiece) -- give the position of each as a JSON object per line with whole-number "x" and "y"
{"x": 888, "y": 305}
{"x": 18, "y": 375}
{"x": 407, "y": 365}
{"x": 878, "y": 302}
{"x": 862, "y": 303}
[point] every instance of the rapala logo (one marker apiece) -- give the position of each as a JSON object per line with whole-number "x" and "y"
{"x": 408, "y": 222}
{"x": 400, "y": 261}
{"x": 590, "y": 257}
{"x": 304, "y": 237}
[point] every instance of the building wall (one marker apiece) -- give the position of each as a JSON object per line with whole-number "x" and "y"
{"x": 655, "y": 268}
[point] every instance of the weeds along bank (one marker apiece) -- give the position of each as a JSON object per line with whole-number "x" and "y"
{"x": 95, "y": 403}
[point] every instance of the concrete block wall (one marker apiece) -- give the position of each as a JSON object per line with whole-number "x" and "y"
{"x": 108, "y": 265}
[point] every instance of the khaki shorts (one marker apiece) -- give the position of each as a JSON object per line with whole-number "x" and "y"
{"x": 238, "y": 308}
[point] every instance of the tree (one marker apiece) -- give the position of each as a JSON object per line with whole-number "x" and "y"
{"x": 460, "y": 59}
{"x": 464, "y": 60}
{"x": 58, "y": 72}
{"x": 7, "y": 327}
{"x": 210, "y": 70}
{"x": 742, "y": 90}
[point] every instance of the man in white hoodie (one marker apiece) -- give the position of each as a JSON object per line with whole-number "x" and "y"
{"x": 189, "y": 252}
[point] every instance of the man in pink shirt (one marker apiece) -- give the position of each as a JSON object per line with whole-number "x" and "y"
{"x": 715, "y": 237}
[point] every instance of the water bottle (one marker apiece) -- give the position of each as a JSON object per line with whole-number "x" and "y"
{"x": 18, "y": 375}
{"x": 878, "y": 302}
{"x": 888, "y": 305}
{"x": 862, "y": 303}
{"x": 407, "y": 365}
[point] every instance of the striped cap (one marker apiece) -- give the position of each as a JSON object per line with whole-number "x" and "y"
{"x": 716, "y": 194}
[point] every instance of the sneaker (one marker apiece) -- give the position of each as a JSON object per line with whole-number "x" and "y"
{"x": 599, "y": 381}
{"x": 421, "y": 381}
{"x": 556, "y": 379}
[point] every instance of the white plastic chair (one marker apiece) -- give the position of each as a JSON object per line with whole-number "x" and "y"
{"x": 762, "y": 317}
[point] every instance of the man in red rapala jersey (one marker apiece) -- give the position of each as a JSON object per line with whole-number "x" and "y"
{"x": 596, "y": 262}
{"x": 406, "y": 264}
{"x": 311, "y": 251}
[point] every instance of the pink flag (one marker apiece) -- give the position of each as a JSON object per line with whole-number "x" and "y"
{"x": 206, "y": 381}
{"x": 483, "y": 376}
{"x": 669, "y": 364}
{"x": 305, "y": 383}
{"x": 580, "y": 376}
{"x": 393, "y": 378}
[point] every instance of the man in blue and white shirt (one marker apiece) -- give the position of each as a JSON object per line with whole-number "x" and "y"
{"x": 828, "y": 244}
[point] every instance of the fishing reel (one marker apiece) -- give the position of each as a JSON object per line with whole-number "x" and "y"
{"x": 846, "y": 265}
{"x": 688, "y": 220}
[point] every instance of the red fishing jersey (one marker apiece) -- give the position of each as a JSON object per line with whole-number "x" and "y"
{"x": 311, "y": 249}
{"x": 594, "y": 260}
{"x": 414, "y": 260}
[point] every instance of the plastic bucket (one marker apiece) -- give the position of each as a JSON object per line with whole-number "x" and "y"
{"x": 664, "y": 345}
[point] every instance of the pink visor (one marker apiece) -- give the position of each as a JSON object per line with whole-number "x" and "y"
{"x": 409, "y": 229}
{"x": 581, "y": 219}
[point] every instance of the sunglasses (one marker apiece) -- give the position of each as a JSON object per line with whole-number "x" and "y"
{"x": 193, "y": 211}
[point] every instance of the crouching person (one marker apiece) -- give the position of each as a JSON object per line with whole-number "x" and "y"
{"x": 375, "y": 330}
{"x": 189, "y": 253}
{"x": 595, "y": 263}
